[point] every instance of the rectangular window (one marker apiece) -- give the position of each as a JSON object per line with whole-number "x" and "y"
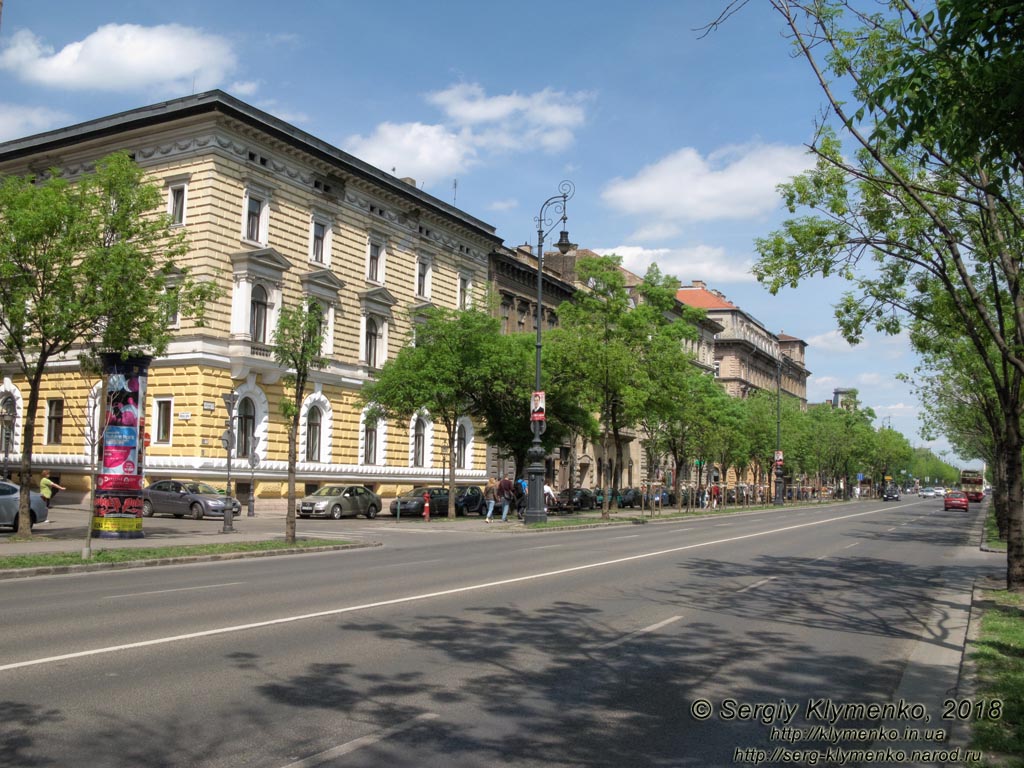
{"x": 423, "y": 278}
{"x": 463, "y": 292}
{"x": 319, "y": 236}
{"x": 54, "y": 421}
{"x": 163, "y": 421}
{"x": 253, "y": 217}
{"x": 373, "y": 265}
{"x": 176, "y": 204}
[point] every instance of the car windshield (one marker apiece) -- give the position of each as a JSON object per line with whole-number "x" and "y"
{"x": 329, "y": 490}
{"x": 203, "y": 488}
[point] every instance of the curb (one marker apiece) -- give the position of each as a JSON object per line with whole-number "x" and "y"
{"x": 18, "y": 573}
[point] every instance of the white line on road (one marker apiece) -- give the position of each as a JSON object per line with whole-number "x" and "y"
{"x": 417, "y": 598}
{"x": 631, "y": 536}
{"x": 362, "y": 741}
{"x": 180, "y": 589}
{"x": 644, "y": 631}
{"x": 851, "y": 545}
{"x": 546, "y": 546}
{"x": 756, "y": 584}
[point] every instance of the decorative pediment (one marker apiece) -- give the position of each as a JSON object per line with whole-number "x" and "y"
{"x": 377, "y": 301}
{"x": 323, "y": 283}
{"x": 261, "y": 262}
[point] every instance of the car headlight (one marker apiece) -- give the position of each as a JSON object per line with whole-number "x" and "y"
{"x": 216, "y": 504}
{"x": 320, "y": 505}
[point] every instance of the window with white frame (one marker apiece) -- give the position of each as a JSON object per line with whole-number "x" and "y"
{"x": 460, "y": 447}
{"x": 372, "y": 342}
{"x": 424, "y": 269}
{"x": 314, "y": 423}
{"x": 258, "y": 315}
{"x": 320, "y": 236}
{"x": 177, "y": 198}
{"x": 375, "y": 259}
{"x": 164, "y": 407}
{"x": 419, "y": 442}
{"x": 465, "y": 297}
{"x": 256, "y": 215}
{"x": 54, "y": 421}
{"x": 370, "y": 444}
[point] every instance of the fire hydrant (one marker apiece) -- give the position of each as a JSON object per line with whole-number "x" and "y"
{"x": 426, "y": 507}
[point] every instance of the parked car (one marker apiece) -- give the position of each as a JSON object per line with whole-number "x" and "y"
{"x": 573, "y": 500}
{"x": 412, "y": 502}
{"x": 469, "y": 499}
{"x": 927, "y": 493}
{"x": 338, "y": 501}
{"x": 629, "y": 497}
{"x": 955, "y": 500}
{"x": 10, "y": 495}
{"x": 186, "y": 497}
{"x": 891, "y": 493}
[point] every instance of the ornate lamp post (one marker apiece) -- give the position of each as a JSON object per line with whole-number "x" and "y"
{"x": 227, "y": 439}
{"x": 254, "y": 461}
{"x": 535, "y": 511}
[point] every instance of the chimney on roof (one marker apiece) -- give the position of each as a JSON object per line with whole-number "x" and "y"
{"x": 409, "y": 180}
{"x": 699, "y": 284}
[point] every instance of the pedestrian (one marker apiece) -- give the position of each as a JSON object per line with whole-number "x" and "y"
{"x": 490, "y": 496}
{"x": 47, "y": 488}
{"x": 522, "y": 491}
{"x": 549, "y": 496}
{"x": 506, "y": 495}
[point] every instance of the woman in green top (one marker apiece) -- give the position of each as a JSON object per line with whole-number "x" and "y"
{"x": 47, "y": 487}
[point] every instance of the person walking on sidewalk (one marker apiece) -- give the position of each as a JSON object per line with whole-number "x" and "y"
{"x": 506, "y": 494}
{"x": 48, "y": 488}
{"x": 490, "y": 496}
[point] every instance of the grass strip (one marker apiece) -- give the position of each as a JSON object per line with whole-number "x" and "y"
{"x": 127, "y": 554}
{"x": 999, "y": 656}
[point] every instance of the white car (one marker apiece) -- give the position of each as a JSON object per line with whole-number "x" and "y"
{"x": 928, "y": 493}
{"x": 9, "y": 498}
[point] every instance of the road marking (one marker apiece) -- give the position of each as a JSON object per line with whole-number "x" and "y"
{"x": 417, "y": 598}
{"x": 756, "y": 584}
{"x": 631, "y": 635}
{"x": 631, "y": 536}
{"x": 851, "y": 545}
{"x": 546, "y": 546}
{"x": 362, "y": 741}
{"x": 180, "y": 589}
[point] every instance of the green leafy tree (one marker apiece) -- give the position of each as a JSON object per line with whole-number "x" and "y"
{"x": 297, "y": 346}
{"x": 926, "y": 231}
{"x": 440, "y": 375}
{"x": 87, "y": 267}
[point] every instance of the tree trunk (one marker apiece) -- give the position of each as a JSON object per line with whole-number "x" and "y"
{"x": 1014, "y": 502}
{"x": 289, "y": 518}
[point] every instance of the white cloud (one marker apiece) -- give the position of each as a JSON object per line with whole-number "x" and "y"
{"x": 701, "y": 262}
{"x": 17, "y": 121}
{"x": 735, "y": 182}
{"x": 427, "y": 153}
{"x": 473, "y": 126}
{"x": 168, "y": 57}
{"x": 831, "y": 342}
{"x": 504, "y": 205}
{"x": 244, "y": 88}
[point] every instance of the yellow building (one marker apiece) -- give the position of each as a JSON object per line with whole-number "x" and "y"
{"x": 272, "y": 215}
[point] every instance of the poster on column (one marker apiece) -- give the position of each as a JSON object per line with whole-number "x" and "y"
{"x": 118, "y": 509}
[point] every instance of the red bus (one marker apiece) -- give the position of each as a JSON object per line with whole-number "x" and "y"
{"x": 973, "y": 484}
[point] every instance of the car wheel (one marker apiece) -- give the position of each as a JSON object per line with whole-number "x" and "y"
{"x": 336, "y": 512}
{"x": 147, "y": 508}
{"x": 197, "y": 511}
{"x": 371, "y": 512}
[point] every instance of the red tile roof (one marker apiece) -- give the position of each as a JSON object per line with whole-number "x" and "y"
{"x": 702, "y": 298}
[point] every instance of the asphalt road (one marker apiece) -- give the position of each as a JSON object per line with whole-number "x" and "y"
{"x": 451, "y": 646}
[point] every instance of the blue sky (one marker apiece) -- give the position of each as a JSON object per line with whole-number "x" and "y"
{"x": 675, "y": 141}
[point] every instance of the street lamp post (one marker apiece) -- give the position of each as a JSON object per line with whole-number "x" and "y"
{"x": 227, "y": 439}
{"x": 7, "y": 431}
{"x": 778, "y": 434}
{"x": 535, "y": 510}
{"x": 254, "y": 461}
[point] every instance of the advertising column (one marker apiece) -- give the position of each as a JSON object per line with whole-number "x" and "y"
{"x": 118, "y": 510}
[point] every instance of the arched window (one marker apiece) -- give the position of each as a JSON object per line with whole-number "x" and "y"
{"x": 314, "y": 419}
{"x": 370, "y": 444}
{"x": 419, "y": 443}
{"x": 7, "y": 413}
{"x": 246, "y": 426}
{"x": 372, "y": 338}
{"x": 258, "y": 315}
{"x": 460, "y": 447}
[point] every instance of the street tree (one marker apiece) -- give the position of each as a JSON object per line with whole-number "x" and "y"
{"x": 297, "y": 345}
{"x": 439, "y": 376}
{"x": 906, "y": 213}
{"x": 86, "y": 267}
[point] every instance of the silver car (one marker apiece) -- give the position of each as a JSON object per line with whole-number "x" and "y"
{"x": 185, "y": 497}
{"x": 337, "y": 501}
{"x": 9, "y": 495}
